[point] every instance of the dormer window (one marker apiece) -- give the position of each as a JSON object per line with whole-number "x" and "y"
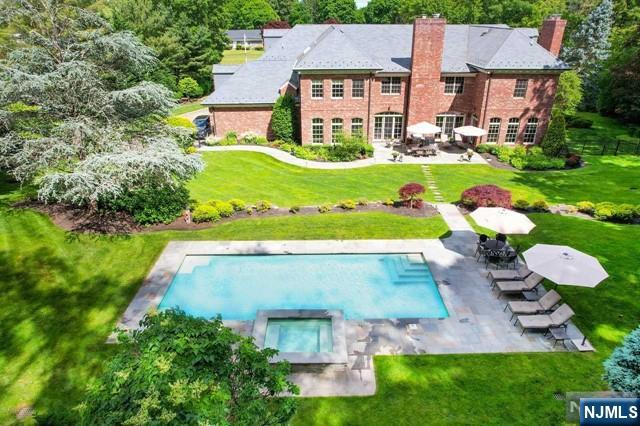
{"x": 391, "y": 85}
{"x": 520, "y": 90}
{"x": 453, "y": 85}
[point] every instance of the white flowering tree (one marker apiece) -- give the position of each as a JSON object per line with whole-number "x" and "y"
{"x": 75, "y": 118}
{"x": 589, "y": 48}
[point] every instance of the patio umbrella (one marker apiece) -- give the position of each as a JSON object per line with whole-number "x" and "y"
{"x": 471, "y": 131}
{"x": 565, "y": 265}
{"x": 502, "y": 220}
{"x": 423, "y": 128}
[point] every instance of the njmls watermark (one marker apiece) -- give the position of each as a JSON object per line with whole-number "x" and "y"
{"x": 603, "y": 408}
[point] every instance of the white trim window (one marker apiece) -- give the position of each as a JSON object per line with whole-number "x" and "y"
{"x": 448, "y": 122}
{"x": 337, "y": 129}
{"x": 387, "y": 126}
{"x": 512, "y": 130}
{"x": 317, "y": 130}
{"x": 453, "y": 85}
{"x": 493, "y": 135}
{"x": 520, "y": 89}
{"x": 337, "y": 89}
{"x": 391, "y": 85}
{"x": 357, "y": 127}
{"x": 357, "y": 88}
{"x": 317, "y": 89}
{"x": 530, "y": 130}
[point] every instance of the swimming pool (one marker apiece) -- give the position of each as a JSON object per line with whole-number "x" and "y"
{"x": 363, "y": 286}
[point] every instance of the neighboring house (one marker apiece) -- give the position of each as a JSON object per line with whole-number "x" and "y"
{"x": 271, "y": 36}
{"x": 244, "y": 38}
{"x": 377, "y": 79}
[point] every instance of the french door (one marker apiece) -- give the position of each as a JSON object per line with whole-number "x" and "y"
{"x": 387, "y": 126}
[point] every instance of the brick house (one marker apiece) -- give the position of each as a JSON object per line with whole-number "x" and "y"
{"x": 378, "y": 79}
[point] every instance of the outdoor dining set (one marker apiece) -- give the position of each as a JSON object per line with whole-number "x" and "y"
{"x": 423, "y": 138}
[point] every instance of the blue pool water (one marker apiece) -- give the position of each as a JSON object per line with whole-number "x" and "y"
{"x": 299, "y": 335}
{"x": 363, "y": 286}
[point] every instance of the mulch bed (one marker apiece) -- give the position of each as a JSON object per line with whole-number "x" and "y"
{"x": 493, "y": 161}
{"x": 74, "y": 219}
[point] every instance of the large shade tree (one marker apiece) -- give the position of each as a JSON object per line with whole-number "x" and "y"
{"x": 75, "y": 117}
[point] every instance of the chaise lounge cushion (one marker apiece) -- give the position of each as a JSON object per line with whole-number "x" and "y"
{"x": 545, "y": 303}
{"x": 509, "y": 275}
{"x": 557, "y": 318}
{"x": 529, "y": 283}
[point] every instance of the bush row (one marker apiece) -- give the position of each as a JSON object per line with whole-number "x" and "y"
{"x": 214, "y": 210}
{"x": 622, "y": 213}
{"x": 525, "y": 159}
{"x": 150, "y": 204}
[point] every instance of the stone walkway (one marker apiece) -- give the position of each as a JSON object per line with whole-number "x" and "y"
{"x": 431, "y": 183}
{"x": 381, "y": 155}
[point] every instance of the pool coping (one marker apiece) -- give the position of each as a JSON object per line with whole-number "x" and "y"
{"x": 155, "y": 285}
{"x": 337, "y": 356}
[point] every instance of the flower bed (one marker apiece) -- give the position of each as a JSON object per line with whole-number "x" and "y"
{"x": 529, "y": 159}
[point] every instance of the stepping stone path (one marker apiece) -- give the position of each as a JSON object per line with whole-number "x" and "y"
{"x": 431, "y": 183}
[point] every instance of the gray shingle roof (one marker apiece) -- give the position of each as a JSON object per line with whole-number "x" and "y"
{"x": 274, "y": 32}
{"x": 383, "y": 48}
{"x": 238, "y": 35}
{"x": 225, "y": 68}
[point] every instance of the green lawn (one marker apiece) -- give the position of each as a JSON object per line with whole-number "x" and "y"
{"x": 508, "y": 388}
{"x": 254, "y": 176}
{"x": 187, "y": 107}
{"x": 62, "y": 293}
{"x": 605, "y": 178}
{"x": 590, "y": 141}
{"x": 239, "y": 56}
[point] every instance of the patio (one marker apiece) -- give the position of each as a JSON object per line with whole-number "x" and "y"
{"x": 384, "y": 154}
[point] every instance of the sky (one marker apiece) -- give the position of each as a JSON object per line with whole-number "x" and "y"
{"x": 361, "y": 3}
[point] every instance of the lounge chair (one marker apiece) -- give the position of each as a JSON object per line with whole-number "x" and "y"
{"x": 510, "y": 287}
{"x": 542, "y": 305}
{"x": 509, "y": 275}
{"x": 558, "y": 318}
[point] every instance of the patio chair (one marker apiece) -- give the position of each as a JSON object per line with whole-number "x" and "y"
{"x": 542, "y": 305}
{"x": 513, "y": 287}
{"x": 558, "y": 318}
{"x": 482, "y": 238}
{"x": 505, "y": 275}
{"x": 501, "y": 237}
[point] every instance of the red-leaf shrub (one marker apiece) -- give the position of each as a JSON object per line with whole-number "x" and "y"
{"x": 486, "y": 196}
{"x": 410, "y": 193}
{"x": 276, "y": 25}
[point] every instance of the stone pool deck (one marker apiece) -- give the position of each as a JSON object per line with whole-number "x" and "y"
{"x": 476, "y": 323}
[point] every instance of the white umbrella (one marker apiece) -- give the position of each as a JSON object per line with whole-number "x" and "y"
{"x": 423, "y": 128}
{"x": 502, "y": 220}
{"x": 470, "y": 131}
{"x": 565, "y": 265}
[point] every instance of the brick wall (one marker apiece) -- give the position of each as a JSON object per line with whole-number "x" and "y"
{"x": 241, "y": 120}
{"x": 551, "y": 34}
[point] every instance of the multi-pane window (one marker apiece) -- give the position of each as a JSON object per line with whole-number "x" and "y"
{"x": 317, "y": 130}
{"x": 530, "y": 130}
{"x": 337, "y": 89}
{"x": 453, "y": 85}
{"x": 357, "y": 125}
{"x": 448, "y": 122}
{"x": 357, "y": 88}
{"x": 391, "y": 85}
{"x": 336, "y": 129}
{"x": 512, "y": 130}
{"x": 520, "y": 89}
{"x": 494, "y": 130}
{"x": 317, "y": 89}
{"x": 387, "y": 126}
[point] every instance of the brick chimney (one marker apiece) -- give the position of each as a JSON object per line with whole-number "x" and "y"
{"x": 426, "y": 63}
{"x": 551, "y": 34}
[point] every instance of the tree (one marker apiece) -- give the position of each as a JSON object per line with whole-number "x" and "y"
{"x": 589, "y": 48}
{"x": 183, "y": 370}
{"x": 383, "y": 12}
{"x": 189, "y": 87}
{"x": 250, "y": 14}
{"x": 622, "y": 369}
{"x": 96, "y": 129}
{"x": 569, "y": 93}
{"x": 410, "y": 194}
{"x": 300, "y": 14}
{"x": 344, "y": 11}
{"x": 283, "y": 118}
{"x": 555, "y": 140}
{"x": 276, "y": 25}
{"x": 282, "y": 8}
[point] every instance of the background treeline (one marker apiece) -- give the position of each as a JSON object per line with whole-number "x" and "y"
{"x": 602, "y": 39}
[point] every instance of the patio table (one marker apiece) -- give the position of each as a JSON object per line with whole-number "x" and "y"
{"x": 496, "y": 245}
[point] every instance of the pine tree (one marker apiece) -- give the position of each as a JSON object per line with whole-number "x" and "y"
{"x": 555, "y": 140}
{"x": 589, "y": 48}
{"x": 622, "y": 369}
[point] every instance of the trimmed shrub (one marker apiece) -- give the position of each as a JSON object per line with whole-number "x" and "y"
{"x": 604, "y": 211}
{"x": 586, "y": 207}
{"x": 486, "y": 196}
{"x": 180, "y": 122}
{"x": 205, "y": 213}
{"x": 622, "y": 368}
{"x": 224, "y": 208}
{"x": 294, "y": 209}
{"x": 362, "y": 201}
{"x": 555, "y": 139}
{"x": 325, "y": 208}
{"x": 190, "y": 88}
{"x": 483, "y": 148}
{"x": 248, "y": 138}
{"x": 624, "y": 213}
{"x": 237, "y": 204}
{"x": 410, "y": 194}
{"x": 249, "y": 210}
{"x": 347, "y": 204}
{"x": 283, "y": 118}
{"x": 231, "y": 138}
{"x": 263, "y": 206}
{"x": 542, "y": 162}
{"x": 389, "y": 202}
{"x": 540, "y": 206}
{"x": 571, "y": 209}
{"x": 503, "y": 153}
{"x": 573, "y": 161}
{"x": 151, "y": 205}
{"x": 578, "y": 122}
{"x": 521, "y": 204}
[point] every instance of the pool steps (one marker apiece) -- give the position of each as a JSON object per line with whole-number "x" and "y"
{"x": 403, "y": 271}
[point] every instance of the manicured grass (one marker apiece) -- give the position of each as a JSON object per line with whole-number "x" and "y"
{"x": 254, "y": 176}
{"x": 187, "y": 107}
{"x": 62, "y": 293}
{"x": 238, "y": 56}
{"x": 605, "y": 178}
{"x": 604, "y": 129}
{"x": 508, "y": 388}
